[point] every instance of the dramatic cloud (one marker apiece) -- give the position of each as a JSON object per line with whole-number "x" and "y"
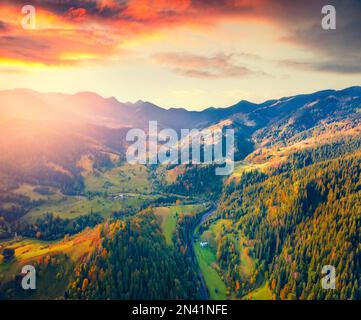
{"x": 74, "y": 31}
{"x": 80, "y": 31}
{"x": 43, "y": 49}
{"x": 214, "y": 67}
{"x": 104, "y": 9}
{"x": 339, "y": 51}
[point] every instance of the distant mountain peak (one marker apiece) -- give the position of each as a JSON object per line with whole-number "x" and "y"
{"x": 88, "y": 94}
{"x": 91, "y": 107}
{"x": 145, "y": 105}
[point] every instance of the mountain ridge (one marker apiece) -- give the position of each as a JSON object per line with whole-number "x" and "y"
{"x": 93, "y": 108}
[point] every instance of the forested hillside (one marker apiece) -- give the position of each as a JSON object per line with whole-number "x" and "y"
{"x": 134, "y": 262}
{"x": 69, "y": 201}
{"x": 301, "y": 218}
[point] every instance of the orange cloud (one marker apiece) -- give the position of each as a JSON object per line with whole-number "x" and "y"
{"x": 78, "y": 14}
{"x": 197, "y": 66}
{"x": 81, "y": 31}
{"x": 57, "y": 40}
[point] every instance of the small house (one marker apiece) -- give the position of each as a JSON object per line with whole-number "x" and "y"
{"x": 203, "y": 244}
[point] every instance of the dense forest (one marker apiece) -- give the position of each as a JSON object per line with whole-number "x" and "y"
{"x": 48, "y": 227}
{"x": 134, "y": 262}
{"x": 197, "y": 180}
{"x": 302, "y": 219}
{"x": 292, "y": 206}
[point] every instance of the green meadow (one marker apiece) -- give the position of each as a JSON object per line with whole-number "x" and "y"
{"x": 73, "y": 207}
{"x": 261, "y": 293}
{"x": 206, "y": 259}
{"x": 168, "y": 217}
{"x": 211, "y": 271}
{"x": 123, "y": 179}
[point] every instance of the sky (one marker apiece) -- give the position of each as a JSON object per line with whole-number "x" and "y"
{"x": 180, "y": 53}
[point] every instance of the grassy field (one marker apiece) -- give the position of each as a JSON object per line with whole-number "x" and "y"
{"x": 28, "y": 250}
{"x": 72, "y": 207}
{"x": 244, "y": 166}
{"x": 30, "y": 191}
{"x": 115, "y": 183}
{"x": 76, "y": 246}
{"x": 261, "y": 293}
{"x": 123, "y": 179}
{"x": 168, "y": 217}
{"x": 54, "y": 262}
{"x": 207, "y": 258}
{"x": 206, "y": 261}
{"x": 247, "y": 262}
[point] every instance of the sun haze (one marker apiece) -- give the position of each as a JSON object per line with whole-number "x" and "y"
{"x": 180, "y": 53}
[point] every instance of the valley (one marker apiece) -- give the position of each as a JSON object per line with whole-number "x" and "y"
{"x": 96, "y": 227}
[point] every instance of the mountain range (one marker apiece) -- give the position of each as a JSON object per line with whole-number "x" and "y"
{"x": 54, "y": 130}
{"x": 291, "y": 206}
{"x": 91, "y": 108}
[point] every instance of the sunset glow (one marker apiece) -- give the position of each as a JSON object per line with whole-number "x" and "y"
{"x": 182, "y": 53}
